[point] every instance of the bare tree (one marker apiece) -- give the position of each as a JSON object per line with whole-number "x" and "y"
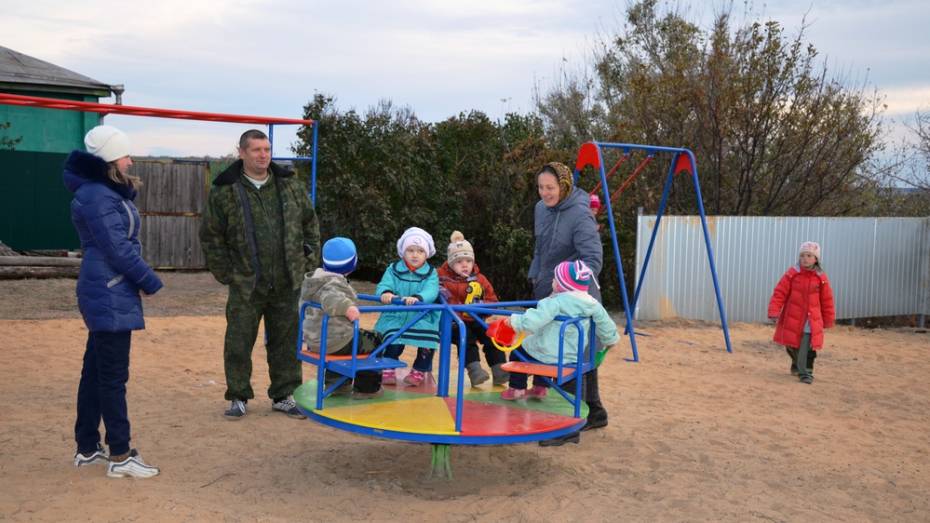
{"x": 774, "y": 133}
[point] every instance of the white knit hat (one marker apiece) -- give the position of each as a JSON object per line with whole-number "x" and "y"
{"x": 459, "y": 248}
{"x": 416, "y": 236}
{"x": 811, "y": 247}
{"x": 107, "y": 142}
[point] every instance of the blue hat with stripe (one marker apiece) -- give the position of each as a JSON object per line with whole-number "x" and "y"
{"x": 339, "y": 255}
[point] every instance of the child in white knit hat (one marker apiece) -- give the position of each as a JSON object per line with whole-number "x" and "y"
{"x": 414, "y": 281}
{"x": 463, "y": 283}
{"x": 802, "y": 307}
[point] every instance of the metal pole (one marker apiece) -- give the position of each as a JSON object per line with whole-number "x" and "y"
{"x": 655, "y": 231}
{"x": 616, "y": 246}
{"x": 316, "y": 127}
{"x": 710, "y": 252}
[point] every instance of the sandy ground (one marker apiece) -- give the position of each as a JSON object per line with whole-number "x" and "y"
{"x": 695, "y": 434}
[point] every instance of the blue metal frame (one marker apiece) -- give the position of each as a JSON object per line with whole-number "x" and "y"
{"x": 311, "y": 158}
{"x": 444, "y": 439}
{"x": 626, "y": 149}
{"x": 584, "y": 363}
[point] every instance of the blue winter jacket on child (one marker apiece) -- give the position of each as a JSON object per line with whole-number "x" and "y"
{"x": 112, "y": 268}
{"x": 542, "y": 342}
{"x": 422, "y": 283}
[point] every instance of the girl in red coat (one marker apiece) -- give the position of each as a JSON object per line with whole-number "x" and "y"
{"x": 802, "y": 305}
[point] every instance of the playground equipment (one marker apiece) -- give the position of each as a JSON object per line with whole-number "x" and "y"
{"x": 429, "y": 414}
{"x": 682, "y": 160}
{"x": 436, "y": 413}
{"x": 104, "y": 109}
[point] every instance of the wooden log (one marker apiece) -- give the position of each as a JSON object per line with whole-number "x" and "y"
{"x": 39, "y": 261}
{"x": 21, "y": 272}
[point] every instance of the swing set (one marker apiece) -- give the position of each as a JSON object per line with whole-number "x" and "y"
{"x": 592, "y": 155}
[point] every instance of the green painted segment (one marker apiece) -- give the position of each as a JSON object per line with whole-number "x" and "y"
{"x": 35, "y": 207}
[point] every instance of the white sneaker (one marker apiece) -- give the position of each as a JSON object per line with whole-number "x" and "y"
{"x": 289, "y": 407}
{"x": 97, "y": 456}
{"x": 132, "y": 466}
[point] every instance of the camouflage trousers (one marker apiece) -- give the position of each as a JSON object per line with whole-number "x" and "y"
{"x": 243, "y": 314}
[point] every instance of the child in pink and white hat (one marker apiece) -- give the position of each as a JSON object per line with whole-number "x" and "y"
{"x": 802, "y": 307}
{"x": 569, "y": 298}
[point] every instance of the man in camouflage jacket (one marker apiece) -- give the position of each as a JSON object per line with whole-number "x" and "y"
{"x": 260, "y": 236}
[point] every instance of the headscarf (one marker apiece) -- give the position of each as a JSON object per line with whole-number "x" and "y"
{"x": 563, "y": 176}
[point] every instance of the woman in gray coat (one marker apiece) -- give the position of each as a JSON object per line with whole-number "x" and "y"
{"x": 565, "y": 230}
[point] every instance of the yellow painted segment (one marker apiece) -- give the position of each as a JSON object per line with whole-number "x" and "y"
{"x": 428, "y": 415}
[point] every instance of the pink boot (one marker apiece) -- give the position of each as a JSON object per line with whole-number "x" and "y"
{"x": 538, "y": 392}
{"x": 415, "y": 378}
{"x": 513, "y": 394}
{"x": 388, "y": 377}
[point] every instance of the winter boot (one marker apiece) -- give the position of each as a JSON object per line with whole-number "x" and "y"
{"x": 476, "y": 375}
{"x": 501, "y": 376}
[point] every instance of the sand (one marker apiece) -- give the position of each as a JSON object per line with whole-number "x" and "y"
{"x": 695, "y": 434}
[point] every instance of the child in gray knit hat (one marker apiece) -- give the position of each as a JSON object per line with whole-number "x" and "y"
{"x": 461, "y": 282}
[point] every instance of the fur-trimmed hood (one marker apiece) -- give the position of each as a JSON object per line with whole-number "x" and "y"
{"x": 82, "y": 167}
{"x": 231, "y": 174}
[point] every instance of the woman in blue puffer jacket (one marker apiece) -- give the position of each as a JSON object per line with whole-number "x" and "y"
{"x": 112, "y": 275}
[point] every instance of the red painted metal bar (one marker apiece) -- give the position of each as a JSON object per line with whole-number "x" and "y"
{"x": 626, "y": 183}
{"x": 612, "y": 171}
{"x": 71, "y": 105}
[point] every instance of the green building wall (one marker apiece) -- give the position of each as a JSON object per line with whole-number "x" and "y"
{"x": 48, "y": 130}
{"x": 34, "y": 204}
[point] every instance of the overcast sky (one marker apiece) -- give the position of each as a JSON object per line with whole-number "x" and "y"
{"x": 439, "y": 57}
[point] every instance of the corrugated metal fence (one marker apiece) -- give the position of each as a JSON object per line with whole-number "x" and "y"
{"x": 877, "y": 266}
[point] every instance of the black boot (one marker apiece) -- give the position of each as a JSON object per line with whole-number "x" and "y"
{"x": 597, "y": 416}
{"x": 794, "y": 360}
{"x": 574, "y": 437}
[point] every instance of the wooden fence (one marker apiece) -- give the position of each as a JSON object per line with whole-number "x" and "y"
{"x": 171, "y": 202}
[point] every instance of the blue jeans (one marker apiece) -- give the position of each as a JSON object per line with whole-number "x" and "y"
{"x": 423, "y": 363}
{"x": 102, "y": 393}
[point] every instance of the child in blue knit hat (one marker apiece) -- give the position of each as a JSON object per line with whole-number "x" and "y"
{"x": 329, "y": 287}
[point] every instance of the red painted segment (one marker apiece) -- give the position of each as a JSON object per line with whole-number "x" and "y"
{"x": 587, "y": 155}
{"x": 488, "y": 419}
{"x": 71, "y": 105}
{"x": 683, "y": 163}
